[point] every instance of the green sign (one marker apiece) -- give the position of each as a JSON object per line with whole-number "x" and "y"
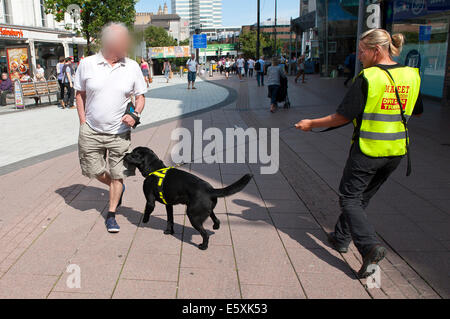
{"x": 224, "y": 47}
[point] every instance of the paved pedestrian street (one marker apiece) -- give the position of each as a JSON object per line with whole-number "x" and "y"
{"x": 272, "y": 241}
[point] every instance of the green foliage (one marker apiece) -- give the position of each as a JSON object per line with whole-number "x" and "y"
{"x": 94, "y": 14}
{"x": 247, "y": 42}
{"x": 184, "y": 42}
{"x": 158, "y": 37}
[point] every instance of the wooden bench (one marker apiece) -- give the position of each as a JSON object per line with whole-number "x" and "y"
{"x": 37, "y": 89}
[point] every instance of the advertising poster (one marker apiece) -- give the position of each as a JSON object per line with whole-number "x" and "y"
{"x": 18, "y": 63}
{"x": 168, "y": 52}
{"x": 18, "y": 96}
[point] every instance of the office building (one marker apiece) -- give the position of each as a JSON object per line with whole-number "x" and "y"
{"x": 200, "y": 13}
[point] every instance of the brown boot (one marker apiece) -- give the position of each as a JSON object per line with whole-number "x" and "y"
{"x": 63, "y": 105}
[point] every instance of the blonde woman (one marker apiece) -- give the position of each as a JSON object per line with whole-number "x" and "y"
{"x": 380, "y": 138}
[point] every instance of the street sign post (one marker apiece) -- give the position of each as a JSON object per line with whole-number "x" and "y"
{"x": 200, "y": 41}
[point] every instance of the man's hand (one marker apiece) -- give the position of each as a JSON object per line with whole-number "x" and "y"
{"x": 128, "y": 120}
{"x": 304, "y": 125}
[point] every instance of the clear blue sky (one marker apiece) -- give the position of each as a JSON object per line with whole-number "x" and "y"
{"x": 237, "y": 12}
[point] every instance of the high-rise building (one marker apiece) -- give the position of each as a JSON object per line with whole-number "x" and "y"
{"x": 200, "y": 13}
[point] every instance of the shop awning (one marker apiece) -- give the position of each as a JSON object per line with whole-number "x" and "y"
{"x": 304, "y": 22}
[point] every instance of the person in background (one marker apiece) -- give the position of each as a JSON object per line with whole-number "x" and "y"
{"x": 301, "y": 69}
{"x": 40, "y": 73}
{"x": 350, "y": 64}
{"x": 251, "y": 67}
{"x": 167, "y": 68}
{"x": 227, "y": 68}
{"x": 192, "y": 71}
{"x": 246, "y": 68}
{"x": 259, "y": 69}
{"x": 274, "y": 73}
{"x": 145, "y": 71}
{"x": 59, "y": 75}
{"x": 240, "y": 67}
{"x": 6, "y": 86}
{"x": 68, "y": 78}
{"x": 379, "y": 140}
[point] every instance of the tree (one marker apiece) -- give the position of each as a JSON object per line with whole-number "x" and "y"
{"x": 248, "y": 39}
{"x": 158, "y": 37}
{"x": 184, "y": 42}
{"x": 94, "y": 15}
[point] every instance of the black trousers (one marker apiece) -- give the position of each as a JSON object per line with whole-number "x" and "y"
{"x": 68, "y": 95}
{"x": 362, "y": 177}
{"x": 61, "y": 89}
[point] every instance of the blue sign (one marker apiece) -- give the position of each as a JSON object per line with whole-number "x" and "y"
{"x": 200, "y": 41}
{"x": 425, "y": 33}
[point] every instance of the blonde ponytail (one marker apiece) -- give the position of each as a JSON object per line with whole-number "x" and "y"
{"x": 382, "y": 38}
{"x": 395, "y": 48}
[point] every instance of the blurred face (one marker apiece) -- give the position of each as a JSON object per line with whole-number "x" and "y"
{"x": 192, "y": 56}
{"x": 4, "y": 76}
{"x": 120, "y": 45}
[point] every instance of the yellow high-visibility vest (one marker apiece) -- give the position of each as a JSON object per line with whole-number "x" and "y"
{"x": 382, "y": 132}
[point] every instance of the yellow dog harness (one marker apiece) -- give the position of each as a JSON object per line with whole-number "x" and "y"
{"x": 161, "y": 174}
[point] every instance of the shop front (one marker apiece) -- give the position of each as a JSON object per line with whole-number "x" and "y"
{"x": 425, "y": 24}
{"x": 23, "y": 48}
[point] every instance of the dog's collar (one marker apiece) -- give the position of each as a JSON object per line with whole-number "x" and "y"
{"x": 161, "y": 174}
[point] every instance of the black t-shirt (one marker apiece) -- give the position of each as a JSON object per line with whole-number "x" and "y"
{"x": 352, "y": 106}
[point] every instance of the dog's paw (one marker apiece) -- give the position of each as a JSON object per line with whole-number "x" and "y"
{"x": 169, "y": 232}
{"x": 216, "y": 226}
{"x": 202, "y": 247}
{"x": 146, "y": 219}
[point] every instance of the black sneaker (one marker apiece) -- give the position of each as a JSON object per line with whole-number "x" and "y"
{"x": 336, "y": 246}
{"x": 111, "y": 225}
{"x": 375, "y": 255}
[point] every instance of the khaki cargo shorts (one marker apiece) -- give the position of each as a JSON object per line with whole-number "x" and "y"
{"x": 95, "y": 148}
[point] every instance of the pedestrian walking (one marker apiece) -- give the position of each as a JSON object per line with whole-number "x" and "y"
{"x": 105, "y": 83}
{"x": 6, "y": 87}
{"x": 145, "y": 71}
{"x": 59, "y": 75}
{"x": 380, "y": 138}
{"x": 192, "y": 66}
{"x": 246, "y": 68}
{"x": 240, "y": 67}
{"x": 259, "y": 69}
{"x": 251, "y": 67}
{"x": 167, "y": 68}
{"x": 227, "y": 68}
{"x": 68, "y": 79}
{"x": 274, "y": 74}
{"x": 301, "y": 69}
{"x": 350, "y": 64}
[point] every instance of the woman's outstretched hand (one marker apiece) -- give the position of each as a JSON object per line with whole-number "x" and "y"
{"x": 304, "y": 125}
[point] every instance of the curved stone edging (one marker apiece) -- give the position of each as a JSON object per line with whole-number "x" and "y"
{"x": 9, "y": 168}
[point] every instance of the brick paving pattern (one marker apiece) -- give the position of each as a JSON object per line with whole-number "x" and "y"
{"x": 272, "y": 241}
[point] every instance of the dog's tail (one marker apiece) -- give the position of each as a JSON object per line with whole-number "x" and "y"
{"x": 233, "y": 188}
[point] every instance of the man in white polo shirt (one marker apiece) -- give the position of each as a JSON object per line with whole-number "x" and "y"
{"x": 105, "y": 84}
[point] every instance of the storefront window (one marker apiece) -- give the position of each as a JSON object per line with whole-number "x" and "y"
{"x": 337, "y": 35}
{"x": 426, "y": 30}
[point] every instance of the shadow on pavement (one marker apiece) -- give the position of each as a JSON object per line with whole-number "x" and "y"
{"x": 133, "y": 216}
{"x": 304, "y": 241}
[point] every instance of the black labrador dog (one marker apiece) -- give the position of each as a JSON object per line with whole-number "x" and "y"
{"x": 180, "y": 187}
